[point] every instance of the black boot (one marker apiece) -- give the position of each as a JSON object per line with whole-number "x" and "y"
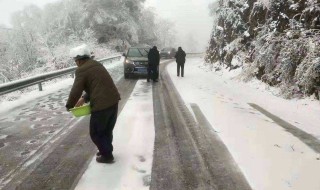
{"x": 105, "y": 159}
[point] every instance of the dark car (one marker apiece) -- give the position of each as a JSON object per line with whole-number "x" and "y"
{"x": 168, "y": 53}
{"x": 136, "y": 61}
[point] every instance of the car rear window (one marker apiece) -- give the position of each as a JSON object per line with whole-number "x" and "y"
{"x": 138, "y": 52}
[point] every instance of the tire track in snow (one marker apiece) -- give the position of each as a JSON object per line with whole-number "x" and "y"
{"x": 306, "y": 138}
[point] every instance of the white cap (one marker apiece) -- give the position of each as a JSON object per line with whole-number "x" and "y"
{"x": 80, "y": 52}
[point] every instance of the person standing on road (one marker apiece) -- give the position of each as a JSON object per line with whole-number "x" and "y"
{"x": 100, "y": 90}
{"x": 153, "y": 64}
{"x": 180, "y": 59}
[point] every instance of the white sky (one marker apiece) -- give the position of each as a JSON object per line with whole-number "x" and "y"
{"x": 189, "y": 16}
{"x": 7, "y": 7}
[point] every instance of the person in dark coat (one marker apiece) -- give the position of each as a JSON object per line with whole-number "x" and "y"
{"x": 153, "y": 64}
{"x": 180, "y": 59}
{"x": 100, "y": 90}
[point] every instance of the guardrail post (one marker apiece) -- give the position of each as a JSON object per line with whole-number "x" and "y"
{"x": 40, "y": 86}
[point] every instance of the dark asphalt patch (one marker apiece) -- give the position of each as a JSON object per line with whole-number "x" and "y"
{"x": 166, "y": 170}
{"x": 226, "y": 174}
{"x": 202, "y": 120}
{"x": 185, "y": 156}
{"x": 306, "y": 138}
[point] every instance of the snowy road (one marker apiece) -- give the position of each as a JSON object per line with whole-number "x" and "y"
{"x": 207, "y": 132}
{"x": 58, "y": 160}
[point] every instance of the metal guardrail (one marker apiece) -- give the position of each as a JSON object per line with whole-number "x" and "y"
{"x": 195, "y": 54}
{"x": 23, "y": 83}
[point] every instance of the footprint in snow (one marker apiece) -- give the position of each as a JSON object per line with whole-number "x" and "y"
{"x": 138, "y": 170}
{"x": 36, "y": 126}
{"x": 32, "y": 141}
{"x": 25, "y": 152}
{"x": 141, "y": 158}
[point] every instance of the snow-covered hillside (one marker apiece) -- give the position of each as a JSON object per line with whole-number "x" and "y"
{"x": 275, "y": 41}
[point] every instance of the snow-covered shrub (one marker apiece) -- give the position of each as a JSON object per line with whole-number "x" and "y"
{"x": 310, "y": 79}
{"x": 292, "y": 53}
{"x": 257, "y": 18}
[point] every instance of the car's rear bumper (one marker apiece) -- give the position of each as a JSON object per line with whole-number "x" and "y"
{"x": 136, "y": 70}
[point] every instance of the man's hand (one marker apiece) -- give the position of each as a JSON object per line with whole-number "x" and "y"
{"x": 80, "y": 102}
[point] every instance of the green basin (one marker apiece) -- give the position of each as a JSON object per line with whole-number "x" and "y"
{"x": 81, "y": 111}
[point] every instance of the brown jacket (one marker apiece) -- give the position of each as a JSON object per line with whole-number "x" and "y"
{"x": 95, "y": 80}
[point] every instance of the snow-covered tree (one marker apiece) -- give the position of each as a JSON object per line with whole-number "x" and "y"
{"x": 41, "y": 37}
{"x": 166, "y": 33}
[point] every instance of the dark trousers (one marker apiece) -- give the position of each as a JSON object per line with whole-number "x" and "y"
{"x": 180, "y": 65}
{"x": 101, "y": 127}
{"x": 153, "y": 72}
